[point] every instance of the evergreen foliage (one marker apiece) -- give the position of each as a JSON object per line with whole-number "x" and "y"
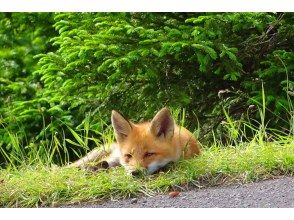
{"x": 22, "y": 36}
{"x": 136, "y": 63}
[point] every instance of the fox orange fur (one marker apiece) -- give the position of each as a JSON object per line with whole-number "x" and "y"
{"x": 147, "y": 146}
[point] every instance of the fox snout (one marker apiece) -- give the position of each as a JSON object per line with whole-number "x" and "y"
{"x": 136, "y": 169}
{"x": 149, "y": 169}
{"x": 137, "y": 172}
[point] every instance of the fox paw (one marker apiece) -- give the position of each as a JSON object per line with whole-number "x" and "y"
{"x": 103, "y": 165}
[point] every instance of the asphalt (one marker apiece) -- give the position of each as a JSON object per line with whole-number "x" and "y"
{"x": 265, "y": 194}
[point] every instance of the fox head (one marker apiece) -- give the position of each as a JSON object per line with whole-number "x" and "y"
{"x": 145, "y": 146}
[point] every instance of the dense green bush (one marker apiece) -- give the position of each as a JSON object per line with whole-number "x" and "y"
{"x": 138, "y": 62}
{"x": 22, "y": 36}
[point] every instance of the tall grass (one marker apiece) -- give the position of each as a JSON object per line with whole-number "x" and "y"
{"x": 59, "y": 148}
{"x": 56, "y": 148}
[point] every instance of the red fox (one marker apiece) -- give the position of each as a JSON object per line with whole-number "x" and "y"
{"x": 147, "y": 146}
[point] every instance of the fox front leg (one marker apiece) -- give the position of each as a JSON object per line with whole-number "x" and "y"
{"x": 112, "y": 160}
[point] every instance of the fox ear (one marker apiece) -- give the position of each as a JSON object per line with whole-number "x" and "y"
{"x": 163, "y": 124}
{"x": 121, "y": 126}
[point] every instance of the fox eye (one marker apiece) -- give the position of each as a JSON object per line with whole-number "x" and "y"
{"x": 129, "y": 156}
{"x": 148, "y": 154}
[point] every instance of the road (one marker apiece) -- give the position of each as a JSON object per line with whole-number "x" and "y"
{"x": 269, "y": 193}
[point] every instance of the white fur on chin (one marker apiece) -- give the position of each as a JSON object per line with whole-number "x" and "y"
{"x": 153, "y": 167}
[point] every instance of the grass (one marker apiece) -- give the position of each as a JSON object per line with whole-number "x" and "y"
{"x": 31, "y": 179}
{"x": 40, "y": 186}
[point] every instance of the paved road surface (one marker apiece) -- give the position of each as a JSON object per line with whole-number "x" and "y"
{"x": 269, "y": 193}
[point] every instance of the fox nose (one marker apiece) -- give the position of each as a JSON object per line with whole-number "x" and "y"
{"x": 135, "y": 173}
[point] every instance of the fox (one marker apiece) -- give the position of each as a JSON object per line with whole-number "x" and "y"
{"x": 145, "y": 147}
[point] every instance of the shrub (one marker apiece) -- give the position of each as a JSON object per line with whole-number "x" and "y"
{"x": 138, "y": 62}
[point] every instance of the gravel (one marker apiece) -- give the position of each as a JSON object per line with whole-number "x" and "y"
{"x": 266, "y": 194}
